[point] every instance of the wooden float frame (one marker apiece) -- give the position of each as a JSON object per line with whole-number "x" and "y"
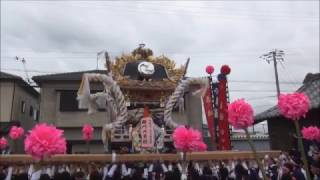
{"x": 104, "y": 158}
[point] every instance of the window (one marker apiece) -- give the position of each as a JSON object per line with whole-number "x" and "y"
{"x": 35, "y": 114}
{"x": 69, "y": 102}
{"x": 23, "y": 107}
{"x": 31, "y": 111}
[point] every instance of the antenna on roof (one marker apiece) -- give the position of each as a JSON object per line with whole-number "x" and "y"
{"x": 23, "y": 61}
{"x": 102, "y": 55}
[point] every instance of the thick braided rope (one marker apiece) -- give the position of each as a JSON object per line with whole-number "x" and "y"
{"x": 122, "y": 113}
{"x": 112, "y": 86}
{"x": 174, "y": 97}
{"x": 120, "y": 107}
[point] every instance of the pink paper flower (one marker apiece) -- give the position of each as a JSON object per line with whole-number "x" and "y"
{"x": 44, "y": 141}
{"x": 194, "y": 135}
{"x": 180, "y": 136}
{"x": 293, "y": 106}
{"x": 16, "y": 132}
{"x": 198, "y": 146}
{"x": 188, "y": 139}
{"x": 87, "y": 132}
{"x": 240, "y": 114}
{"x": 311, "y": 133}
{"x": 3, "y": 143}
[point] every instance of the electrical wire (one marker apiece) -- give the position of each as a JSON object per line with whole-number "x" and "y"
{"x": 260, "y": 97}
{"x": 226, "y": 16}
{"x": 268, "y": 13}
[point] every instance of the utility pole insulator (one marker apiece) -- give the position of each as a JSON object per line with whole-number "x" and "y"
{"x": 275, "y": 55}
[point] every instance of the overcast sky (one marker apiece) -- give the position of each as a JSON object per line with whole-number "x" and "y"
{"x": 66, "y": 36}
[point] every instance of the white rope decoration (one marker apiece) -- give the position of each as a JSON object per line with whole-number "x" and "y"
{"x": 177, "y": 94}
{"x": 112, "y": 95}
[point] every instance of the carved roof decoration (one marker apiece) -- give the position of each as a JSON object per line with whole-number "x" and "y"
{"x": 147, "y": 85}
{"x": 141, "y": 53}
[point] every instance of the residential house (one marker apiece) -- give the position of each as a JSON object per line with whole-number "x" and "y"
{"x": 59, "y": 106}
{"x": 19, "y": 105}
{"x": 282, "y": 130}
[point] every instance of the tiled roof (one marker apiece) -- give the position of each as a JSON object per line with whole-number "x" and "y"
{"x": 7, "y": 76}
{"x": 10, "y": 77}
{"x": 69, "y": 76}
{"x": 310, "y": 87}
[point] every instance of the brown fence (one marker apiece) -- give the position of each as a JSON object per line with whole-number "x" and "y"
{"x": 85, "y": 158}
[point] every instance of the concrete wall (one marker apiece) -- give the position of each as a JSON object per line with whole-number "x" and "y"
{"x": 70, "y": 122}
{"x": 194, "y": 110}
{"x": 50, "y": 110}
{"x": 81, "y": 147}
{"x": 74, "y": 138}
{"x": 48, "y": 103}
{"x": 6, "y": 95}
{"x": 78, "y": 118}
{"x": 242, "y": 145}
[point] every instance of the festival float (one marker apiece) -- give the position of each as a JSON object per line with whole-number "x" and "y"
{"x": 140, "y": 93}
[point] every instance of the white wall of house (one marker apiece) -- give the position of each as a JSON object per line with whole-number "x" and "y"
{"x": 26, "y": 118}
{"x": 50, "y": 108}
{"x": 6, "y": 95}
{"x": 12, "y": 95}
{"x": 71, "y": 121}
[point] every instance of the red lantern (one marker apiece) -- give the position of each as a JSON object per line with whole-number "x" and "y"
{"x": 225, "y": 69}
{"x": 209, "y": 69}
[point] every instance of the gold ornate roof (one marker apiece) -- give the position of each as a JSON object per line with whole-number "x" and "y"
{"x": 140, "y": 53}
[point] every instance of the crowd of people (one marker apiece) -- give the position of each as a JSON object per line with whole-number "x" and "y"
{"x": 288, "y": 166}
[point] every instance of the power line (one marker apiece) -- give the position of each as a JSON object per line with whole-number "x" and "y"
{"x": 231, "y": 81}
{"x": 265, "y": 82}
{"x": 209, "y": 14}
{"x": 260, "y": 98}
{"x": 224, "y": 8}
{"x": 287, "y": 72}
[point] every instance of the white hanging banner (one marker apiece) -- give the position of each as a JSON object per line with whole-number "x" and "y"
{"x": 147, "y": 133}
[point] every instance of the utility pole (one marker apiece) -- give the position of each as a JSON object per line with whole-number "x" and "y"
{"x": 275, "y": 55}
